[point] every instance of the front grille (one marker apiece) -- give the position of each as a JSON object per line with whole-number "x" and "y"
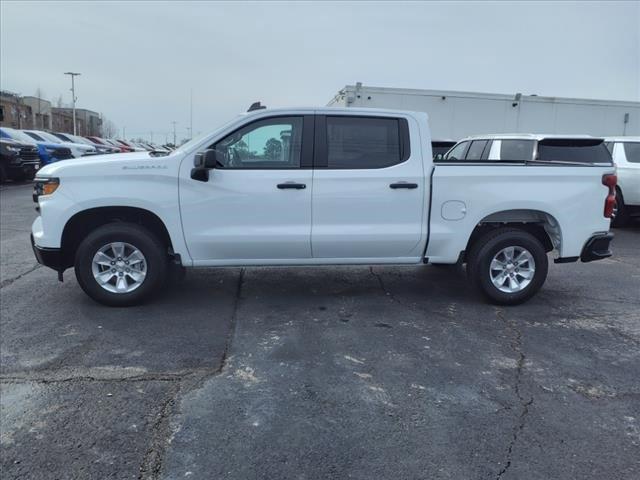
{"x": 29, "y": 153}
{"x": 62, "y": 153}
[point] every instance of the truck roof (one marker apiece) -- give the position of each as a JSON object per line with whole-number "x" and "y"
{"x": 332, "y": 110}
{"x": 622, "y": 139}
{"x": 526, "y": 136}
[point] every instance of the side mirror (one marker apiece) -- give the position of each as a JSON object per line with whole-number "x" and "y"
{"x": 207, "y": 159}
{"x": 202, "y": 163}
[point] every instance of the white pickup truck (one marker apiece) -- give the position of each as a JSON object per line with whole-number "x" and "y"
{"x": 319, "y": 186}
{"x": 625, "y": 152}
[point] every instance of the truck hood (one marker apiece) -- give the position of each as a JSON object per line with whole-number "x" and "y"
{"x": 98, "y": 163}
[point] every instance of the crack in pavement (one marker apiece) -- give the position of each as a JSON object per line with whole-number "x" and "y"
{"x": 152, "y": 461}
{"x": 516, "y": 346}
{"x": 55, "y": 378}
{"x": 9, "y": 281}
{"x": 396, "y": 300}
{"x": 387, "y": 292}
{"x": 151, "y": 465}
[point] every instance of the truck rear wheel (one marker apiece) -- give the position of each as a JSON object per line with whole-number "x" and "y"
{"x": 121, "y": 264}
{"x": 507, "y": 265}
{"x": 621, "y": 217}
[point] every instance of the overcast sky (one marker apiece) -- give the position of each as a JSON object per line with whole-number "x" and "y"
{"x": 139, "y": 60}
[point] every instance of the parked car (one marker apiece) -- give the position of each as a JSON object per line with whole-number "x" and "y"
{"x": 113, "y": 143}
{"x": 100, "y": 149}
{"x": 130, "y": 145}
{"x": 104, "y": 143}
{"x": 530, "y": 148}
{"x": 77, "y": 149}
{"x": 18, "y": 161}
{"x": 440, "y": 147}
{"x": 49, "y": 152}
{"x": 625, "y": 152}
{"x": 243, "y": 195}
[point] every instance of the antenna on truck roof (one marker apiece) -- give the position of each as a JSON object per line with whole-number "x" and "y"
{"x": 256, "y": 106}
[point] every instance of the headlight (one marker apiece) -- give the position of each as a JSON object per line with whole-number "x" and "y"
{"x": 44, "y": 186}
{"x": 13, "y": 149}
{"x": 50, "y": 149}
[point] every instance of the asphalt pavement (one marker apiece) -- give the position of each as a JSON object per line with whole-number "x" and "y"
{"x": 318, "y": 373}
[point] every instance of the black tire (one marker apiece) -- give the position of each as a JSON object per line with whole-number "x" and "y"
{"x": 489, "y": 245}
{"x": 622, "y": 215}
{"x": 3, "y": 174}
{"x": 155, "y": 254}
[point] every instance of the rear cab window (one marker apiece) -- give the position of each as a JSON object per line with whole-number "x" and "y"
{"x": 365, "y": 142}
{"x": 579, "y": 150}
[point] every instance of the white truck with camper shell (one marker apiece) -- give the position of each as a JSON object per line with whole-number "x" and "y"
{"x": 318, "y": 186}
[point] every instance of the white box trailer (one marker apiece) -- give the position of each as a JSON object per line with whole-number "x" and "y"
{"x": 454, "y": 115}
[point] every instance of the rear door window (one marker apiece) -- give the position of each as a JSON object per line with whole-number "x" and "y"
{"x": 632, "y": 151}
{"x": 363, "y": 142}
{"x": 581, "y": 150}
{"x": 475, "y": 150}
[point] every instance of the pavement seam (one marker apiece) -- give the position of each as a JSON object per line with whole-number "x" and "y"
{"x": 9, "y": 281}
{"x": 516, "y": 346}
{"x": 234, "y": 320}
{"x": 153, "y": 461}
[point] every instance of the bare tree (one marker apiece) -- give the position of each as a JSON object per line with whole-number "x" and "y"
{"x": 109, "y": 128}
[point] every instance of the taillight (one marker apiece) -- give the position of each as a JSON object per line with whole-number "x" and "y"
{"x": 610, "y": 181}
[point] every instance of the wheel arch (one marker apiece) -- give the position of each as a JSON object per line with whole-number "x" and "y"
{"x": 542, "y": 225}
{"x": 85, "y": 221}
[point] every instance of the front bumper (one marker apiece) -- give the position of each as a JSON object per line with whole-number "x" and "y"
{"x": 49, "y": 257}
{"x": 597, "y": 247}
{"x": 23, "y": 168}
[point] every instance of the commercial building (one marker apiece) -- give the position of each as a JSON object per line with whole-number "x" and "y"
{"x": 31, "y": 112}
{"x": 88, "y": 122}
{"x": 454, "y": 115}
{"x": 40, "y": 112}
{"x": 14, "y": 112}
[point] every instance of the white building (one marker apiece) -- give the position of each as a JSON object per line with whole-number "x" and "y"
{"x": 454, "y": 115}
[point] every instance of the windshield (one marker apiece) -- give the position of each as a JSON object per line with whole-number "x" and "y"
{"x": 185, "y": 147}
{"x": 48, "y": 136}
{"x": 62, "y": 137}
{"x": 632, "y": 151}
{"x": 35, "y": 137}
{"x": 18, "y": 135}
{"x": 82, "y": 140}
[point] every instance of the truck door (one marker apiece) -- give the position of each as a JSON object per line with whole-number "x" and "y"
{"x": 256, "y": 205}
{"x": 368, "y": 188}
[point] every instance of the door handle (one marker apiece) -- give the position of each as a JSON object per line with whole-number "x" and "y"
{"x": 291, "y": 185}
{"x": 403, "y": 185}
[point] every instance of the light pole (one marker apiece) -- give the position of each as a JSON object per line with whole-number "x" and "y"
{"x": 73, "y": 97}
{"x": 174, "y": 132}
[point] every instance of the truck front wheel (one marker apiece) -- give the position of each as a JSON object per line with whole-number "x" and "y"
{"x": 507, "y": 265}
{"x": 121, "y": 264}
